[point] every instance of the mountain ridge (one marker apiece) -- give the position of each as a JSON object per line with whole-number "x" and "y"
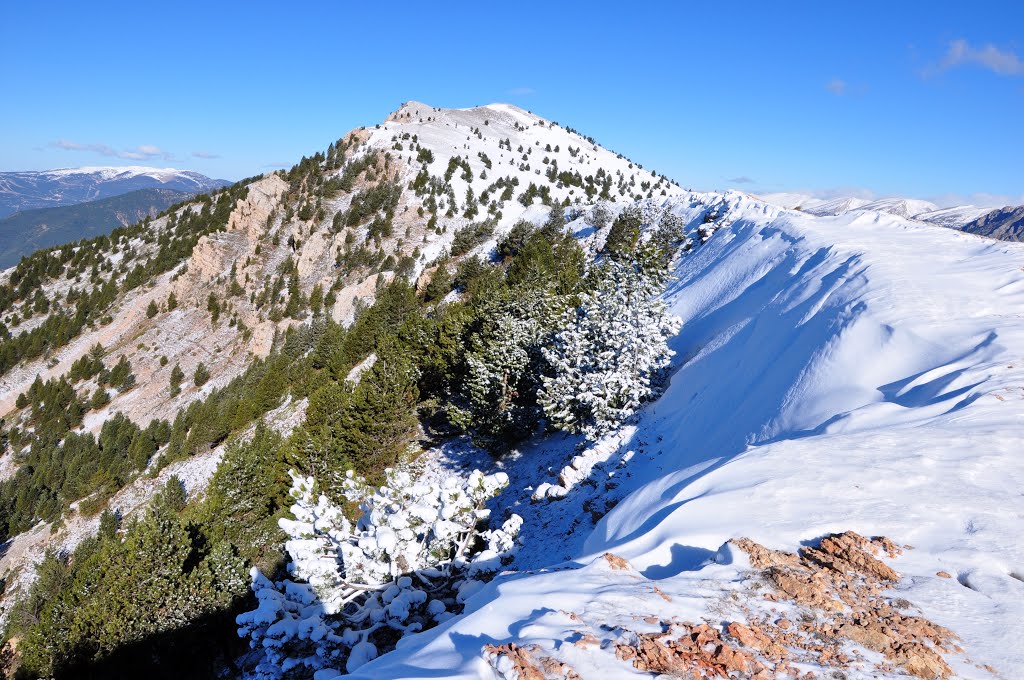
{"x": 988, "y": 221}
{"x": 33, "y": 189}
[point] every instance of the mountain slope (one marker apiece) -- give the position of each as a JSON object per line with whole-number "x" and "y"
{"x": 953, "y": 218}
{"x": 1005, "y": 224}
{"x": 30, "y": 230}
{"x": 334, "y": 246}
{"x": 833, "y": 374}
{"x": 218, "y": 282}
{"x": 836, "y": 206}
{"x": 901, "y": 207}
{"x": 50, "y": 188}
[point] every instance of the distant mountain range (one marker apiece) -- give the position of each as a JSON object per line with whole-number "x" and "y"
{"x": 51, "y": 188}
{"x": 1006, "y": 224}
{"x": 27, "y": 231}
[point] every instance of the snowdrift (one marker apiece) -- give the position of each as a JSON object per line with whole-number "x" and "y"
{"x": 860, "y": 372}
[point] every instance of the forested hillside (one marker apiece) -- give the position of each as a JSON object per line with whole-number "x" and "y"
{"x": 386, "y": 295}
{"x": 30, "y": 230}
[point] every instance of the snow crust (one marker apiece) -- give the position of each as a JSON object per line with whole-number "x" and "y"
{"x": 857, "y": 372}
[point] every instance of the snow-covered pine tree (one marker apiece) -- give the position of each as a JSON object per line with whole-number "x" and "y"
{"x": 503, "y": 367}
{"x": 610, "y": 348}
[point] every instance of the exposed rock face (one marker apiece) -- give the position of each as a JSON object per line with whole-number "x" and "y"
{"x": 251, "y": 215}
{"x": 211, "y": 258}
{"x": 689, "y": 651}
{"x": 247, "y": 225}
{"x": 616, "y": 562}
{"x": 345, "y": 306}
{"x": 315, "y": 250}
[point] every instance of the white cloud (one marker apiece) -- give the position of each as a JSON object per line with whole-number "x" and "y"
{"x": 139, "y": 153}
{"x": 742, "y": 179}
{"x": 205, "y": 154}
{"x": 67, "y": 145}
{"x": 521, "y": 91}
{"x": 840, "y": 192}
{"x": 836, "y": 86}
{"x": 960, "y": 53}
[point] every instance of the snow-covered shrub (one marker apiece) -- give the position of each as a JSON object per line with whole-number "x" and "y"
{"x": 410, "y": 560}
{"x": 649, "y": 211}
{"x": 671, "y": 230}
{"x": 611, "y": 347}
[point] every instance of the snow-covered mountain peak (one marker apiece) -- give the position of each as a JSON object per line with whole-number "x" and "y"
{"x": 901, "y": 207}
{"x": 503, "y": 142}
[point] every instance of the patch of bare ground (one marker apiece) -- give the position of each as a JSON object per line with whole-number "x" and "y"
{"x": 840, "y": 588}
{"x": 527, "y": 663}
{"x": 689, "y": 651}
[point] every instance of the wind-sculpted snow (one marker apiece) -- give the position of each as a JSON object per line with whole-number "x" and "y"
{"x": 861, "y": 372}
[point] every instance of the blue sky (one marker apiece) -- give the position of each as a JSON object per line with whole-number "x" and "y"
{"x": 917, "y": 99}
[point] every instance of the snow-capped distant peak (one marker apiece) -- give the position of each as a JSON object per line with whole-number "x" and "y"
{"x": 901, "y": 207}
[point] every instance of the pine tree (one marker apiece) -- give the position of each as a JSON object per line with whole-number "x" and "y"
{"x": 100, "y": 398}
{"x": 201, "y": 375}
{"x": 247, "y": 492}
{"x": 503, "y": 364}
{"x": 121, "y": 376}
{"x": 152, "y": 310}
{"x": 213, "y": 306}
{"x": 440, "y": 283}
{"x": 110, "y": 522}
{"x": 172, "y": 498}
{"x": 177, "y": 375}
{"x": 611, "y": 347}
{"x": 624, "y": 235}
